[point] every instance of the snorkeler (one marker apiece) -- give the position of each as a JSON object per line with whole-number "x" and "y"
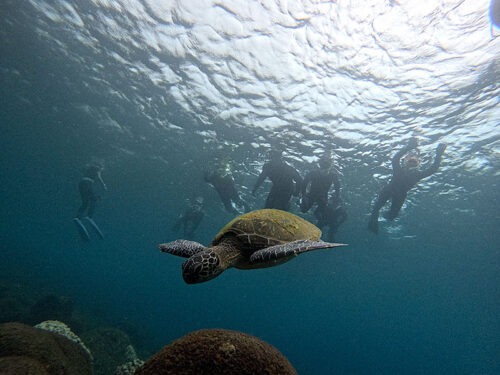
{"x": 223, "y": 182}
{"x": 494, "y": 12}
{"x": 319, "y": 182}
{"x": 89, "y": 200}
{"x": 404, "y": 177}
{"x": 332, "y": 217}
{"x": 285, "y": 179}
{"x": 191, "y": 218}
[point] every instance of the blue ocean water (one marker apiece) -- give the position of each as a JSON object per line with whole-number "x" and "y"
{"x": 156, "y": 91}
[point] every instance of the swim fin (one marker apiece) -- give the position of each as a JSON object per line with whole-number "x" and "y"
{"x": 94, "y": 226}
{"x": 82, "y": 231}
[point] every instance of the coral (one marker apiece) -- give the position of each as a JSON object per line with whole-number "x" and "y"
{"x": 28, "y": 347}
{"x": 129, "y": 368}
{"x": 62, "y": 329}
{"x": 110, "y": 348}
{"x": 131, "y": 365}
{"x": 217, "y": 352}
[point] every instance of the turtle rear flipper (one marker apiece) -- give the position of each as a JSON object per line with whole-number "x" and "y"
{"x": 290, "y": 249}
{"x": 182, "y": 248}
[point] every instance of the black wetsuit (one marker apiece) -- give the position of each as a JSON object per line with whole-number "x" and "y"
{"x": 286, "y": 182}
{"x": 402, "y": 181}
{"x": 88, "y": 196}
{"x": 332, "y": 217}
{"x": 190, "y": 220}
{"x": 224, "y": 185}
{"x": 320, "y": 182}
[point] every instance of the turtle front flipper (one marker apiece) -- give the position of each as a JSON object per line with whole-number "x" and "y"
{"x": 182, "y": 248}
{"x": 289, "y": 249}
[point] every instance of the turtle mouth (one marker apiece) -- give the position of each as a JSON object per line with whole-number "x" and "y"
{"x": 201, "y": 267}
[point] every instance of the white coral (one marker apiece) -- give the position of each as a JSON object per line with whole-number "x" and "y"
{"x": 62, "y": 329}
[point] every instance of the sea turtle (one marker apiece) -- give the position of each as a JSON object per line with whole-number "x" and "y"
{"x": 257, "y": 239}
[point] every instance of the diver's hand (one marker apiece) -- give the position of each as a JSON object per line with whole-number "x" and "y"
{"x": 412, "y": 143}
{"x": 440, "y": 149}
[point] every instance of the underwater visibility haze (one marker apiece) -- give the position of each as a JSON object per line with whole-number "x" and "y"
{"x": 158, "y": 92}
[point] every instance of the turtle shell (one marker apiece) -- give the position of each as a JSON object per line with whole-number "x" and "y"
{"x": 263, "y": 228}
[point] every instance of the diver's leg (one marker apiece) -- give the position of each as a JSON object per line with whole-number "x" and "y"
{"x": 283, "y": 201}
{"x": 382, "y": 198}
{"x": 306, "y": 203}
{"x": 240, "y": 202}
{"x": 397, "y": 201}
{"x": 340, "y": 215}
{"x": 82, "y": 231}
{"x": 81, "y": 211}
{"x": 228, "y": 206}
{"x": 270, "y": 201}
{"x": 322, "y": 207}
{"x": 90, "y": 213}
{"x": 92, "y": 206}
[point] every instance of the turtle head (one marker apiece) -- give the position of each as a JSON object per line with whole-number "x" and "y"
{"x": 201, "y": 267}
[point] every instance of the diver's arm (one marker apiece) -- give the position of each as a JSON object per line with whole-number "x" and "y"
{"x": 261, "y": 179}
{"x": 437, "y": 162}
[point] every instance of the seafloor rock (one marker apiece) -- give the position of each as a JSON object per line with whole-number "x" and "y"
{"x": 17, "y": 365}
{"x": 62, "y": 329}
{"x": 217, "y": 352}
{"x": 55, "y": 353}
{"x": 110, "y": 348}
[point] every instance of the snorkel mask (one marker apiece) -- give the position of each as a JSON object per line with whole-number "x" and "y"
{"x": 411, "y": 161}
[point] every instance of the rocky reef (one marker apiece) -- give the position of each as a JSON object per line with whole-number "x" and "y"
{"x": 28, "y": 350}
{"x": 217, "y": 352}
{"x": 111, "y": 347}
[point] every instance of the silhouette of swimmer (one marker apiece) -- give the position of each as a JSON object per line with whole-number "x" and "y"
{"x": 494, "y": 13}
{"x": 319, "y": 182}
{"x": 331, "y": 217}
{"x": 404, "y": 177}
{"x": 223, "y": 182}
{"x": 191, "y": 218}
{"x": 89, "y": 200}
{"x": 285, "y": 179}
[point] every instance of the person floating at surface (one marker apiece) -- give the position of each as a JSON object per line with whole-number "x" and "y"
{"x": 285, "y": 179}
{"x": 89, "y": 200}
{"x": 404, "y": 177}
{"x": 320, "y": 180}
{"x": 191, "y": 218}
{"x": 332, "y": 217}
{"x": 223, "y": 182}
